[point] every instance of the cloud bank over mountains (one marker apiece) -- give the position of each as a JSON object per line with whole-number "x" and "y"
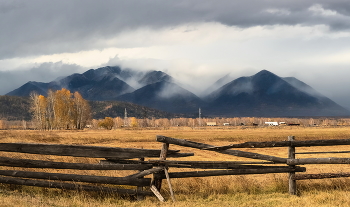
{"x": 41, "y": 40}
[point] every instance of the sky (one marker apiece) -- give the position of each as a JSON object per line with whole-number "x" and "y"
{"x": 196, "y": 42}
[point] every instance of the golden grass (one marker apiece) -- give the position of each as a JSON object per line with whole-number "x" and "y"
{"x": 252, "y": 190}
{"x": 329, "y": 198}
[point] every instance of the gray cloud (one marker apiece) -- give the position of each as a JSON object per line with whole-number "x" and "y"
{"x": 46, "y": 27}
{"x": 45, "y": 72}
{"x": 41, "y": 27}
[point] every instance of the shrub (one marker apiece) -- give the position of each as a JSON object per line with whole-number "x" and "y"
{"x": 106, "y": 123}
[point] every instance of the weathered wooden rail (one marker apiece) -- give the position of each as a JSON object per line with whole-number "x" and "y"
{"x": 85, "y": 151}
{"x": 186, "y": 143}
{"x": 130, "y": 159}
{"x": 289, "y": 143}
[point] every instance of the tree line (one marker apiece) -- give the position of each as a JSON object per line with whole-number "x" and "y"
{"x": 132, "y": 122}
{"x": 163, "y": 123}
{"x": 61, "y": 109}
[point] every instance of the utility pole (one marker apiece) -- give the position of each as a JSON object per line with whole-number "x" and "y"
{"x": 199, "y": 117}
{"x": 125, "y": 117}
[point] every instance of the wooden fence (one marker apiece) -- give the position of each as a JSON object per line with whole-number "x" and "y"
{"x": 131, "y": 159}
{"x": 44, "y": 179}
{"x": 293, "y": 162}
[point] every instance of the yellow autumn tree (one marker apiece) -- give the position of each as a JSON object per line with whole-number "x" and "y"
{"x": 60, "y": 110}
{"x": 63, "y": 108}
{"x": 133, "y": 122}
{"x": 106, "y": 123}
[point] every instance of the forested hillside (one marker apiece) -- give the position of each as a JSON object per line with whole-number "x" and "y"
{"x": 18, "y": 108}
{"x": 101, "y": 109}
{"x": 14, "y": 108}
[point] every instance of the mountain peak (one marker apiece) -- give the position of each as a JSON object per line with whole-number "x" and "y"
{"x": 154, "y": 77}
{"x": 164, "y": 95}
{"x": 266, "y": 94}
{"x": 264, "y": 73}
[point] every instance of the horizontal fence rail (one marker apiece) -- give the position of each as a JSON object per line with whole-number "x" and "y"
{"x": 195, "y": 164}
{"x": 329, "y": 160}
{"x": 307, "y": 143}
{"x": 331, "y": 152}
{"x": 186, "y": 143}
{"x": 231, "y": 172}
{"x": 77, "y": 178}
{"x": 69, "y": 186}
{"x": 86, "y": 151}
{"x": 320, "y": 176}
{"x": 27, "y": 163}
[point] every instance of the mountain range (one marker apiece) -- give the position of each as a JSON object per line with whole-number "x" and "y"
{"x": 263, "y": 94}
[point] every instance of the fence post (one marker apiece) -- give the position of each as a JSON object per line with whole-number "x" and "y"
{"x": 291, "y": 155}
{"x": 140, "y": 197}
{"x": 163, "y": 153}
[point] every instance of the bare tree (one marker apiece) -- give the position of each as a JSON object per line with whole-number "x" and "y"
{"x": 50, "y": 109}
{"x": 81, "y": 111}
{"x": 38, "y": 109}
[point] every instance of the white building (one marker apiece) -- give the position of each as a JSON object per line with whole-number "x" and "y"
{"x": 211, "y": 123}
{"x": 272, "y": 123}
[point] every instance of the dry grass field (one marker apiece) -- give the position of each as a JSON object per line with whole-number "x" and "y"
{"x": 252, "y": 190}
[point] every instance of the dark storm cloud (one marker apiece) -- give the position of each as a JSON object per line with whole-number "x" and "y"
{"x": 38, "y": 27}
{"x": 45, "y": 72}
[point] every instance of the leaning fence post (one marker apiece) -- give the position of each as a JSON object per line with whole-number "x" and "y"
{"x": 158, "y": 182}
{"x": 291, "y": 155}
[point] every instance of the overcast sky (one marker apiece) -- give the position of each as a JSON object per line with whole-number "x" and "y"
{"x": 194, "y": 41}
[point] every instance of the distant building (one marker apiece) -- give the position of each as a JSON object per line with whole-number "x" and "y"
{"x": 211, "y": 124}
{"x": 272, "y": 123}
{"x": 252, "y": 124}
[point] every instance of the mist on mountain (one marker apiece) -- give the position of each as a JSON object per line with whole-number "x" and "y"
{"x": 262, "y": 94}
